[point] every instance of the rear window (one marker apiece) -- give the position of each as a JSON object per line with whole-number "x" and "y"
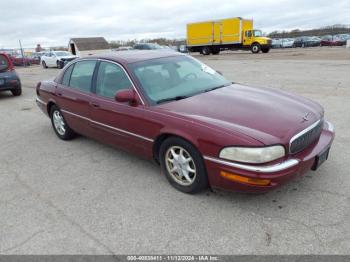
{"x": 4, "y": 64}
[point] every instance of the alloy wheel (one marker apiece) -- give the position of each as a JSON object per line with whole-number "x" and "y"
{"x": 59, "y": 123}
{"x": 180, "y": 165}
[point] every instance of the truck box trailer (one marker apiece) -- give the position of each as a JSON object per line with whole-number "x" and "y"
{"x": 210, "y": 37}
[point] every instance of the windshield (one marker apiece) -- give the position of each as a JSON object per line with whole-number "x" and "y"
{"x": 62, "y": 53}
{"x": 257, "y": 33}
{"x": 175, "y": 77}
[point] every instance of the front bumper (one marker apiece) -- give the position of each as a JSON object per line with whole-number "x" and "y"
{"x": 278, "y": 174}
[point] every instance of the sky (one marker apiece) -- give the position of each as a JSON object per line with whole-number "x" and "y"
{"x": 53, "y": 23}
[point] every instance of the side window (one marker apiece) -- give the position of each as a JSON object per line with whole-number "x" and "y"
{"x": 66, "y": 76}
{"x": 248, "y": 33}
{"x": 81, "y": 77}
{"x": 110, "y": 79}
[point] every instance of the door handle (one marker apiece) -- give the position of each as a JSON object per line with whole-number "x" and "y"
{"x": 59, "y": 94}
{"x": 95, "y": 105}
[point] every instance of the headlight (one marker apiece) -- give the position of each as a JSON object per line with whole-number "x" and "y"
{"x": 256, "y": 155}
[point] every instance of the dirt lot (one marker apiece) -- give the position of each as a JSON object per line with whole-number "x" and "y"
{"x": 84, "y": 197}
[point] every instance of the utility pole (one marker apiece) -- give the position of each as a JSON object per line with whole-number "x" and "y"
{"x": 20, "y": 45}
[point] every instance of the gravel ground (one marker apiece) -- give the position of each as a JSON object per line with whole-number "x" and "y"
{"x": 83, "y": 197}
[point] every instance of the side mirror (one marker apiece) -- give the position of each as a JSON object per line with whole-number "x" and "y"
{"x": 125, "y": 95}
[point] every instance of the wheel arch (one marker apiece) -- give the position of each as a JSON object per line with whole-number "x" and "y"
{"x": 163, "y": 136}
{"x": 49, "y": 106}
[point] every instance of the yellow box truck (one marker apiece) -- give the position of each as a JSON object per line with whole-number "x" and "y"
{"x": 210, "y": 37}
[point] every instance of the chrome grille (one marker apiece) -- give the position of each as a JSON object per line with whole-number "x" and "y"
{"x": 306, "y": 137}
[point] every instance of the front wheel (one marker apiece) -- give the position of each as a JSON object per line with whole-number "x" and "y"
{"x": 183, "y": 165}
{"x": 255, "y": 48}
{"x": 59, "y": 124}
{"x": 43, "y": 63}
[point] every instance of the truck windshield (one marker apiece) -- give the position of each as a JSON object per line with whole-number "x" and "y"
{"x": 169, "y": 78}
{"x": 257, "y": 33}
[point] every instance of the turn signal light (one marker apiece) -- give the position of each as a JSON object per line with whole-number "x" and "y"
{"x": 245, "y": 180}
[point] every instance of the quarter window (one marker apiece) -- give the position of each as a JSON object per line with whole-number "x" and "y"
{"x": 110, "y": 79}
{"x": 81, "y": 77}
{"x": 66, "y": 76}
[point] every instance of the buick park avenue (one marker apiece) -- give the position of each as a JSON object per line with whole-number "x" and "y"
{"x": 203, "y": 130}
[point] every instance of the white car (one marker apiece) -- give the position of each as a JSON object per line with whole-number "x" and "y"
{"x": 287, "y": 42}
{"x": 56, "y": 59}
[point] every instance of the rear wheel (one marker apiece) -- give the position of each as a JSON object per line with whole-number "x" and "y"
{"x": 44, "y": 64}
{"x": 265, "y": 50}
{"x": 216, "y": 51}
{"x": 59, "y": 124}
{"x": 206, "y": 50}
{"x": 17, "y": 92}
{"x": 255, "y": 48}
{"x": 183, "y": 165}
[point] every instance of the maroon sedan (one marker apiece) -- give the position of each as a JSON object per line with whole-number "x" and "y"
{"x": 201, "y": 128}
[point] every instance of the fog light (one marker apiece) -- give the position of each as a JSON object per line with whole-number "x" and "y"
{"x": 245, "y": 180}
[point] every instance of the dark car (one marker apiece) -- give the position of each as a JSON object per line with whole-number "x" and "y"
{"x": 147, "y": 46}
{"x": 307, "y": 41}
{"x": 9, "y": 80}
{"x": 203, "y": 129}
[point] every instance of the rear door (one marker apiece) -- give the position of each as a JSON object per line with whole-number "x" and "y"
{"x": 74, "y": 94}
{"x": 217, "y": 33}
{"x": 116, "y": 123}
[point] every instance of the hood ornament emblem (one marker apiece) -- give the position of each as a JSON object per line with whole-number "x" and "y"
{"x": 306, "y": 117}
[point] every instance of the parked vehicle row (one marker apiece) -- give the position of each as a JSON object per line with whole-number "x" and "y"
{"x": 311, "y": 41}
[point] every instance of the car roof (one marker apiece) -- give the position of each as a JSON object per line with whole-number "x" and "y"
{"x": 133, "y": 56}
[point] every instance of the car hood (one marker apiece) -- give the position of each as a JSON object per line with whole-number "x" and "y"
{"x": 68, "y": 57}
{"x": 267, "y": 115}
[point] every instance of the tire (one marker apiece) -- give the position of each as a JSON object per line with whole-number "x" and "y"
{"x": 303, "y": 45}
{"x": 61, "y": 128}
{"x": 195, "y": 181}
{"x": 265, "y": 50}
{"x": 59, "y": 66}
{"x": 206, "y": 50}
{"x": 215, "y": 51}
{"x": 17, "y": 92}
{"x": 44, "y": 64}
{"x": 255, "y": 48}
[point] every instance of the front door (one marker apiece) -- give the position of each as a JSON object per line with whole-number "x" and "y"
{"x": 248, "y": 38}
{"x": 119, "y": 124}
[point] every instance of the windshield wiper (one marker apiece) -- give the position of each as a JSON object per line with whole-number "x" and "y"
{"x": 175, "y": 98}
{"x": 217, "y": 87}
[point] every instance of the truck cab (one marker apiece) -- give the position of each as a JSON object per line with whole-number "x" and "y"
{"x": 256, "y": 41}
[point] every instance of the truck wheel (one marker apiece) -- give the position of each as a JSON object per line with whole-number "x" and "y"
{"x": 265, "y": 50}
{"x": 206, "y": 50}
{"x": 215, "y": 51}
{"x": 255, "y": 48}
